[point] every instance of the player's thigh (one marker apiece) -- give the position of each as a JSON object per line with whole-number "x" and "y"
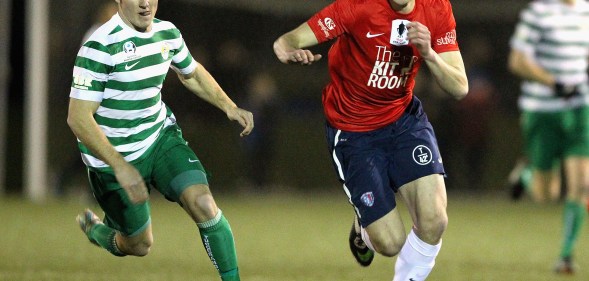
{"x": 363, "y": 170}
{"x": 427, "y": 201}
{"x": 577, "y": 153}
{"x": 176, "y": 167}
{"x": 387, "y": 233}
{"x": 543, "y": 138}
{"x": 120, "y": 213}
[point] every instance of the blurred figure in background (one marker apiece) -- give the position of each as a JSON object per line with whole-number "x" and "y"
{"x": 549, "y": 52}
{"x": 129, "y": 138}
{"x": 262, "y": 101}
{"x": 232, "y": 65}
{"x": 471, "y": 117}
{"x": 379, "y": 137}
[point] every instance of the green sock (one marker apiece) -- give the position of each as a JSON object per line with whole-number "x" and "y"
{"x": 526, "y": 177}
{"x": 104, "y": 237}
{"x": 217, "y": 239}
{"x": 574, "y": 217}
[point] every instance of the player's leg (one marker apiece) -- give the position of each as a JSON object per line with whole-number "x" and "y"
{"x": 519, "y": 178}
{"x": 363, "y": 167}
{"x": 576, "y": 125}
{"x": 544, "y": 147}
{"x": 386, "y": 235}
{"x": 111, "y": 240}
{"x": 575, "y": 212}
{"x": 215, "y": 231}
{"x": 126, "y": 229}
{"x": 416, "y": 166}
{"x": 362, "y": 250}
{"x": 546, "y": 184}
{"x": 426, "y": 199}
{"x": 377, "y": 226}
{"x": 180, "y": 176}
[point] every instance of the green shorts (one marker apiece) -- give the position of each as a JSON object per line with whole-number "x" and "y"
{"x": 170, "y": 168}
{"x": 551, "y": 136}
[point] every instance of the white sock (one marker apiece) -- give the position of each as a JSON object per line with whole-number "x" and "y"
{"x": 366, "y": 239}
{"x": 416, "y": 259}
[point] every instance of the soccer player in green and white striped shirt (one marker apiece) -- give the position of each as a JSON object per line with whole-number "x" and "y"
{"x": 550, "y": 52}
{"x": 129, "y": 138}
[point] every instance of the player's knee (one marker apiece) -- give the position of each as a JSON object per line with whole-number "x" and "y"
{"x": 200, "y": 204}
{"x": 141, "y": 248}
{"x": 389, "y": 250}
{"x": 137, "y": 248}
{"x": 204, "y": 205}
{"x": 431, "y": 229}
{"x": 388, "y": 245}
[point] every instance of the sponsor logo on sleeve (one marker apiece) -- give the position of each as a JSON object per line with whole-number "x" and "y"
{"x": 326, "y": 24}
{"x": 448, "y": 39}
{"x": 82, "y": 82}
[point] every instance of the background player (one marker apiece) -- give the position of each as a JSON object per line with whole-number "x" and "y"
{"x": 379, "y": 137}
{"x": 129, "y": 138}
{"x": 549, "y": 51}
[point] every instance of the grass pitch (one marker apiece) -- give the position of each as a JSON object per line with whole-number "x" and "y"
{"x": 284, "y": 237}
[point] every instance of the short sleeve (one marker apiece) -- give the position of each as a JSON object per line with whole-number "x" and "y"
{"x": 527, "y": 32}
{"x": 91, "y": 69}
{"x": 182, "y": 61}
{"x": 332, "y": 21}
{"x": 444, "y": 34}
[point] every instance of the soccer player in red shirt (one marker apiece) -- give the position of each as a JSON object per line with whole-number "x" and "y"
{"x": 380, "y": 140}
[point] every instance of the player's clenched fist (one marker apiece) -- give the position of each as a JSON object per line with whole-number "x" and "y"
{"x": 419, "y": 35}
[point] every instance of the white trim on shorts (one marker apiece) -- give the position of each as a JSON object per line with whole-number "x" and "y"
{"x": 341, "y": 172}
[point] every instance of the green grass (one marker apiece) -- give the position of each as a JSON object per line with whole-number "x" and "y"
{"x": 285, "y": 237}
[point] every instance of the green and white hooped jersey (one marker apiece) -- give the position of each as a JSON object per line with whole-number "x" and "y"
{"x": 124, "y": 70}
{"x": 556, "y": 36}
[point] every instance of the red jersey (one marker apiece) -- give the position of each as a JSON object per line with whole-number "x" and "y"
{"x": 371, "y": 65}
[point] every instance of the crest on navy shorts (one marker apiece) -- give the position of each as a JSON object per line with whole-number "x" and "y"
{"x": 422, "y": 155}
{"x": 368, "y": 199}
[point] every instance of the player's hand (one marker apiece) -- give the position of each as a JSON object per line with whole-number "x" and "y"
{"x": 243, "y": 117}
{"x": 132, "y": 182}
{"x": 419, "y": 35}
{"x": 566, "y": 91}
{"x": 300, "y": 56}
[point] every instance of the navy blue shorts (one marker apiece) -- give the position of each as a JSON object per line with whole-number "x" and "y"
{"x": 374, "y": 165}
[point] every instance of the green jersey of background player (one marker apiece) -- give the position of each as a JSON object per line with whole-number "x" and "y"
{"x": 129, "y": 138}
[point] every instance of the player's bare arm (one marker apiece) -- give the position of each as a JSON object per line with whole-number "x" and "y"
{"x": 525, "y": 68}
{"x": 289, "y": 48}
{"x": 81, "y": 121}
{"x": 202, "y": 84}
{"x": 447, "y": 68}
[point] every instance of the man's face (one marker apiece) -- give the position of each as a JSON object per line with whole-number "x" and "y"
{"x": 400, "y": 3}
{"x": 138, "y": 14}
